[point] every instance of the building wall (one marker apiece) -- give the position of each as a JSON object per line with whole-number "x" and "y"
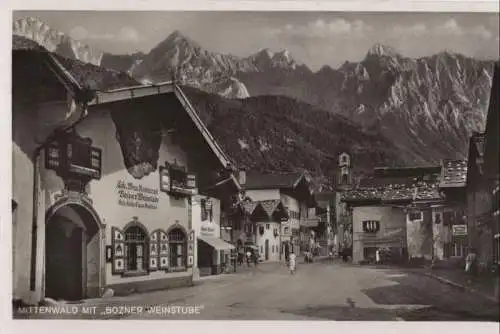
{"x": 274, "y": 242}
{"x": 22, "y": 193}
{"x": 479, "y": 202}
{"x": 442, "y": 234}
{"x": 208, "y": 227}
{"x": 105, "y": 194}
{"x": 25, "y": 140}
{"x": 293, "y": 223}
{"x": 391, "y": 234}
{"x": 419, "y": 235}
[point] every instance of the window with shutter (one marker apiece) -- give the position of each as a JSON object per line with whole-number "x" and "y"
{"x": 118, "y": 255}
{"x": 163, "y": 251}
{"x": 154, "y": 248}
{"x": 190, "y": 252}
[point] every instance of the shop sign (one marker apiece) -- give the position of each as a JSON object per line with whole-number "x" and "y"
{"x": 137, "y": 195}
{"x": 459, "y": 230}
{"x": 208, "y": 230}
{"x": 70, "y": 155}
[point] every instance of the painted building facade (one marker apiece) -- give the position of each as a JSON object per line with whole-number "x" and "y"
{"x": 103, "y": 180}
{"x": 282, "y": 203}
{"x": 377, "y": 227}
{"x": 417, "y": 212}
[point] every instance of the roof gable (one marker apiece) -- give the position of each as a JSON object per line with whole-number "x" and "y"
{"x": 74, "y": 71}
{"x": 255, "y": 180}
{"x": 108, "y": 86}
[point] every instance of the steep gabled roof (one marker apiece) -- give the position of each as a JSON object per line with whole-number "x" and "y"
{"x": 77, "y": 72}
{"x": 110, "y": 86}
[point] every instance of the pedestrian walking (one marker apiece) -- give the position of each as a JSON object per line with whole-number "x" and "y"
{"x": 287, "y": 253}
{"x": 255, "y": 258}
{"x": 249, "y": 257}
{"x": 292, "y": 263}
{"x": 344, "y": 256}
{"x": 470, "y": 262}
{"x": 377, "y": 256}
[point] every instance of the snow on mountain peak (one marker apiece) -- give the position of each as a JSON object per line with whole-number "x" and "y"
{"x": 55, "y": 41}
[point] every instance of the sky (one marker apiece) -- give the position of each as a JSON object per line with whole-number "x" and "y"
{"x": 313, "y": 38}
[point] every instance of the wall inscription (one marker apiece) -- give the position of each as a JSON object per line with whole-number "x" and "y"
{"x": 136, "y": 195}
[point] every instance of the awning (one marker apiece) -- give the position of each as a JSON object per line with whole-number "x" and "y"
{"x": 216, "y": 243}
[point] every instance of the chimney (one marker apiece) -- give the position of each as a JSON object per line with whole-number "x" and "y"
{"x": 242, "y": 179}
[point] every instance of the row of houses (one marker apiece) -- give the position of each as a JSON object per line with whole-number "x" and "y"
{"x": 433, "y": 213}
{"x": 120, "y": 186}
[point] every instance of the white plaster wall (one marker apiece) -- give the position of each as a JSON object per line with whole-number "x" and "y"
{"x": 441, "y": 233}
{"x": 273, "y": 241}
{"x": 22, "y": 193}
{"x": 419, "y": 237}
{"x": 391, "y": 219}
{"x": 101, "y": 129}
{"x": 293, "y": 205}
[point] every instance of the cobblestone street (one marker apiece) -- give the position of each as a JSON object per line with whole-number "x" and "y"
{"x": 318, "y": 291}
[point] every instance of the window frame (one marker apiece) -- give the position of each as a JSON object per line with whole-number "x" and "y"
{"x": 127, "y": 271}
{"x": 412, "y": 215}
{"x": 458, "y": 247}
{"x": 372, "y": 231}
{"x": 174, "y": 243}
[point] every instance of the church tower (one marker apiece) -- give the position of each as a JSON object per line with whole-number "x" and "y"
{"x": 344, "y": 179}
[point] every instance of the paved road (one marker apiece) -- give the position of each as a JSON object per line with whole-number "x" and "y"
{"x": 318, "y": 291}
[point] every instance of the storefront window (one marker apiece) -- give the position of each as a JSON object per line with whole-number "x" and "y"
{"x": 135, "y": 248}
{"x": 177, "y": 245}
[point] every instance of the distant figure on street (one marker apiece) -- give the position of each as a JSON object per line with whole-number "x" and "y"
{"x": 470, "y": 262}
{"x": 292, "y": 263}
{"x": 287, "y": 253}
{"x": 249, "y": 257}
{"x": 344, "y": 255}
{"x": 255, "y": 258}
{"x": 241, "y": 256}
{"x": 377, "y": 256}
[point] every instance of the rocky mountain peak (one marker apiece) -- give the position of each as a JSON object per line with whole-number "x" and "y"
{"x": 382, "y": 50}
{"x": 55, "y": 41}
{"x": 176, "y": 41}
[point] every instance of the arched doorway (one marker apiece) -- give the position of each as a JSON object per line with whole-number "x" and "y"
{"x": 72, "y": 253}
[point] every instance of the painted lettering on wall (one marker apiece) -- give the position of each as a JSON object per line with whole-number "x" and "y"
{"x": 207, "y": 230}
{"x": 136, "y": 195}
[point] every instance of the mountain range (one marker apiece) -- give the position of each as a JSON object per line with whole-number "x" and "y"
{"x": 424, "y": 109}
